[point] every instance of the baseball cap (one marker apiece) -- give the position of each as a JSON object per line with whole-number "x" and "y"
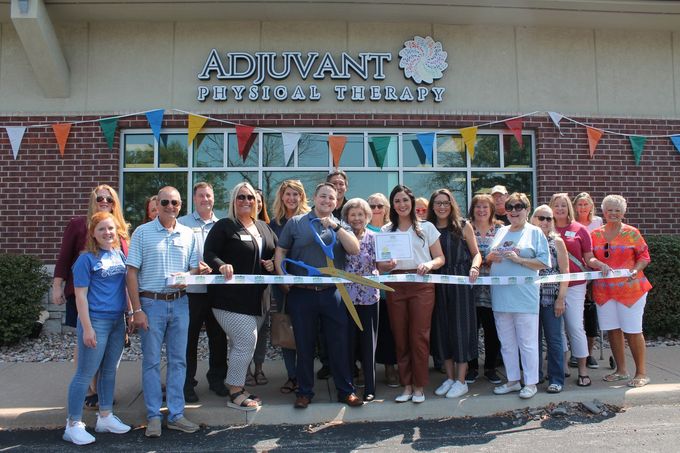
{"x": 499, "y": 189}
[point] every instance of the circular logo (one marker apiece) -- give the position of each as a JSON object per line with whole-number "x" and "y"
{"x": 423, "y": 60}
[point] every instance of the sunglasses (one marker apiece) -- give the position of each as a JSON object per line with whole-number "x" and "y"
{"x": 102, "y": 199}
{"x": 167, "y": 202}
{"x": 515, "y": 207}
{"x": 245, "y": 197}
{"x": 421, "y": 210}
{"x": 376, "y": 206}
{"x": 606, "y": 249}
{"x": 543, "y": 218}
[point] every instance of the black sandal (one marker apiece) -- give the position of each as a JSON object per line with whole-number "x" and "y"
{"x": 289, "y": 387}
{"x": 242, "y": 401}
{"x": 583, "y": 381}
{"x": 92, "y": 401}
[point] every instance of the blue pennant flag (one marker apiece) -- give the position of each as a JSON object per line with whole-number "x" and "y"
{"x": 426, "y": 141}
{"x": 155, "y": 119}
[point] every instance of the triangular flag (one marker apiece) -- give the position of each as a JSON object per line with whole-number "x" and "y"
{"x": 290, "y": 142}
{"x": 469, "y": 135}
{"x": 108, "y": 126}
{"x": 195, "y": 125}
{"x": 556, "y": 118}
{"x": 246, "y": 138}
{"x": 61, "y": 132}
{"x": 16, "y": 135}
{"x": 594, "y": 136}
{"x": 337, "y": 144}
{"x": 676, "y": 141}
{"x": 638, "y": 144}
{"x": 426, "y": 141}
{"x": 379, "y": 149}
{"x": 155, "y": 119}
{"x": 515, "y": 125}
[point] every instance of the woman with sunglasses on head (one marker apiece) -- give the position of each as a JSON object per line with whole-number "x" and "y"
{"x": 579, "y": 246}
{"x": 454, "y": 324}
{"x": 240, "y": 244}
{"x": 291, "y": 200}
{"x": 411, "y": 304}
{"x": 621, "y": 301}
{"x": 521, "y": 250}
{"x": 421, "y": 208}
{"x": 552, "y": 301}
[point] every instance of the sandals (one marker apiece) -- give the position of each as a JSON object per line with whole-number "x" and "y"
{"x": 92, "y": 402}
{"x": 250, "y": 379}
{"x": 616, "y": 377}
{"x": 260, "y": 378}
{"x": 639, "y": 382}
{"x": 583, "y": 381}
{"x": 290, "y": 386}
{"x": 242, "y": 401}
{"x": 554, "y": 388}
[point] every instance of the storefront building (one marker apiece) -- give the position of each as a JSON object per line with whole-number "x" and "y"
{"x": 371, "y": 81}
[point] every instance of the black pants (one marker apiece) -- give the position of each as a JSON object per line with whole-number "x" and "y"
{"x": 366, "y": 341}
{"x": 492, "y": 346}
{"x": 200, "y": 313}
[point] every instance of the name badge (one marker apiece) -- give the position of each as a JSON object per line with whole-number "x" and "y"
{"x": 570, "y": 234}
{"x": 177, "y": 242}
{"x": 197, "y": 229}
{"x": 246, "y": 237}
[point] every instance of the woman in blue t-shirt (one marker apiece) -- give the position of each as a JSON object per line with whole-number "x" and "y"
{"x": 99, "y": 280}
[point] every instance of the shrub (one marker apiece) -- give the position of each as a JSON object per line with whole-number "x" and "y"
{"x": 23, "y": 284}
{"x": 662, "y": 313}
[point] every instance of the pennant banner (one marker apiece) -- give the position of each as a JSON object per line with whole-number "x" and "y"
{"x": 594, "y": 136}
{"x": 246, "y": 138}
{"x": 469, "y": 135}
{"x": 379, "y": 149}
{"x": 290, "y": 142}
{"x": 16, "y": 135}
{"x": 426, "y": 142}
{"x": 638, "y": 144}
{"x": 109, "y": 126}
{"x": 515, "y": 125}
{"x": 61, "y": 132}
{"x": 337, "y": 145}
{"x": 196, "y": 123}
{"x": 556, "y": 118}
{"x": 676, "y": 141}
{"x": 155, "y": 119}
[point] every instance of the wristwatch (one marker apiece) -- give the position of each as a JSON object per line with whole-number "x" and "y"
{"x": 337, "y": 228}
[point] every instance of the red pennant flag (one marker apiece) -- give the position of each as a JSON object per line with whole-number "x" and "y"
{"x": 337, "y": 144}
{"x": 515, "y": 125}
{"x": 594, "y": 136}
{"x": 61, "y": 132}
{"x": 246, "y": 138}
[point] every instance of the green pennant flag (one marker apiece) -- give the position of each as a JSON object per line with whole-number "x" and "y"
{"x": 109, "y": 126}
{"x": 638, "y": 143}
{"x": 379, "y": 148}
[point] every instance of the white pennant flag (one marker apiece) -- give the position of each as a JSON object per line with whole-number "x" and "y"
{"x": 16, "y": 134}
{"x": 556, "y": 118}
{"x": 290, "y": 142}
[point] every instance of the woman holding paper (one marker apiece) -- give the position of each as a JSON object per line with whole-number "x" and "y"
{"x": 411, "y": 304}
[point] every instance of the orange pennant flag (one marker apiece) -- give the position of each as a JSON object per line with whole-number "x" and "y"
{"x": 594, "y": 136}
{"x": 469, "y": 135}
{"x": 195, "y": 125}
{"x": 337, "y": 144}
{"x": 61, "y": 132}
{"x": 515, "y": 125}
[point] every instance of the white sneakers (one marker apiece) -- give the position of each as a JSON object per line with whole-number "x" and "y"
{"x": 444, "y": 388}
{"x": 77, "y": 434}
{"x": 457, "y": 390}
{"x": 528, "y": 391}
{"x": 505, "y": 388}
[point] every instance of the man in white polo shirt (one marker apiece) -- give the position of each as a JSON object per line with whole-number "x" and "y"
{"x": 160, "y": 249}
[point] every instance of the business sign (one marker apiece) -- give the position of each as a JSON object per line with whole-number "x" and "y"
{"x": 261, "y": 76}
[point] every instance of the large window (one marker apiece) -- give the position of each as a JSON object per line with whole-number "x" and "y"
{"x": 147, "y": 164}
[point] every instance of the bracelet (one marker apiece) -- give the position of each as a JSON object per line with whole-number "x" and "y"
{"x": 475, "y": 267}
{"x": 129, "y": 313}
{"x": 136, "y": 311}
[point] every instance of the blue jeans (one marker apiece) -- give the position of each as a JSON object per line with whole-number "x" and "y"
{"x": 289, "y": 359}
{"x": 551, "y": 326}
{"x": 169, "y": 324}
{"x": 104, "y": 357}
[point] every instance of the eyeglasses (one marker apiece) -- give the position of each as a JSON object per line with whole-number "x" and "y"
{"x": 515, "y": 207}
{"x": 543, "y": 218}
{"x": 442, "y": 204}
{"x": 376, "y": 206}
{"x": 606, "y": 249}
{"x": 421, "y": 210}
{"x": 242, "y": 197}
{"x": 107, "y": 199}
{"x": 173, "y": 202}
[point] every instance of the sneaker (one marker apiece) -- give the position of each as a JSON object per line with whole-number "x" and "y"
{"x": 471, "y": 376}
{"x": 183, "y": 424}
{"x": 592, "y": 363}
{"x": 190, "y": 395}
{"x": 110, "y": 424}
{"x": 444, "y": 388}
{"x": 153, "y": 428}
{"x": 77, "y": 434}
{"x": 418, "y": 398}
{"x": 505, "y": 388}
{"x": 573, "y": 362}
{"x": 492, "y": 377}
{"x": 391, "y": 377}
{"x": 458, "y": 389}
{"x": 528, "y": 392}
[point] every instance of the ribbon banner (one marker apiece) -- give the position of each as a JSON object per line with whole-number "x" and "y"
{"x": 241, "y": 279}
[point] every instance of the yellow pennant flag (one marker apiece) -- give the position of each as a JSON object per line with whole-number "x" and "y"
{"x": 195, "y": 125}
{"x": 469, "y": 135}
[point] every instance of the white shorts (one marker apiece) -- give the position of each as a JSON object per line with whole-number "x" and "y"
{"x": 614, "y": 315}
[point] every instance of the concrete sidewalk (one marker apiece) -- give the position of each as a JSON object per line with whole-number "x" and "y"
{"x": 34, "y": 395}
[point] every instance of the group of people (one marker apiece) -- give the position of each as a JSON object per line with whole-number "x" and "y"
{"x": 111, "y": 276}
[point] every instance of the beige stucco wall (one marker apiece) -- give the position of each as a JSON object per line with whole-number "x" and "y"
{"x": 132, "y": 66}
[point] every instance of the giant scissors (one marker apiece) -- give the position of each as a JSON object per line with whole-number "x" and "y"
{"x": 331, "y": 270}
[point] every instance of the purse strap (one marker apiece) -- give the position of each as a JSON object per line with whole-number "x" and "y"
{"x": 578, "y": 263}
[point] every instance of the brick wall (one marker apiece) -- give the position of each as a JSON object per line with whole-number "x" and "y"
{"x": 41, "y": 191}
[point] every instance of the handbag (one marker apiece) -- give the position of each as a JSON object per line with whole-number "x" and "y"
{"x": 282, "y": 329}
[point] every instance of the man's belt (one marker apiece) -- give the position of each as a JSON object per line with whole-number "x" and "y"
{"x": 316, "y": 288}
{"x": 163, "y": 296}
